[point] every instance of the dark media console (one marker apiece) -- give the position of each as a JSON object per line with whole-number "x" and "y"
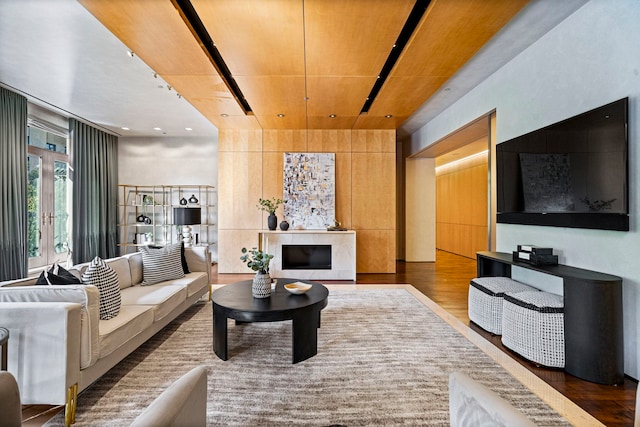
{"x": 594, "y": 344}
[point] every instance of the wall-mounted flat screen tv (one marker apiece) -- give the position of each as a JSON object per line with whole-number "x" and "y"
{"x": 573, "y": 173}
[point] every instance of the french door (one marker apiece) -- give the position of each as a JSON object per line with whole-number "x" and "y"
{"x": 48, "y": 199}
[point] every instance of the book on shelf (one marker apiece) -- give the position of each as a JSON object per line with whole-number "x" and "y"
{"x": 535, "y": 249}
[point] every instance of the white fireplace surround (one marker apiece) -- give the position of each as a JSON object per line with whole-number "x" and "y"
{"x": 343, "y": 253}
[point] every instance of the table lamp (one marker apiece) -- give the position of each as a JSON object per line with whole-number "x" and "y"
{"x": 186, "y": 217}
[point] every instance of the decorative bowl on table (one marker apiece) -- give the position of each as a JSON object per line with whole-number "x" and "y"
{"x": 297, "y": 288}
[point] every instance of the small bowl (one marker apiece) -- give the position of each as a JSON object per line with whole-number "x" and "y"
{"x": 297, "y": 288}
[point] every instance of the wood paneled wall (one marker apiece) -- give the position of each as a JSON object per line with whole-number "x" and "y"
{"x": 251, "y": 166}
{"x": 462, "y": 207}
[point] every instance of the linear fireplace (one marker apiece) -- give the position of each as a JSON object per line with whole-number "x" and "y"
{"x": 334, "y": 255}
{"x": 306, "y": 257}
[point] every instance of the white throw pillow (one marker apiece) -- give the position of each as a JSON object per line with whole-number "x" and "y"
{"x": 160, "y": 264}
{"x": 100, "y": 275}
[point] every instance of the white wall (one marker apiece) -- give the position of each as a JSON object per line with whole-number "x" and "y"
{"x": 169, "y": 161}
{"x": 420, "y": 208}
{"x": 588, "y": 60}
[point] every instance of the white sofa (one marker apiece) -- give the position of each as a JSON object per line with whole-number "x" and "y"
{"x": 471, "y": 404}
{"x": 59, "y": 345}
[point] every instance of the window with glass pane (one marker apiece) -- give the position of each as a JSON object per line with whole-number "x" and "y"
{"x": 49, "y": 200}
{"x": 34, "y": 168}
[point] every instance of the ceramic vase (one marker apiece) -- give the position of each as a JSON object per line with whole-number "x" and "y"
{"x": 284, "y": 226}
{"x": 261, "y": 286}
{"x": 272, "y": 221}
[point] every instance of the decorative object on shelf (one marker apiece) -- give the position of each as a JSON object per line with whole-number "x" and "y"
{"x": 535, "y": 255}
{"x": 284, "y": 225}
{"x": 270, "y": 205}
{"x": 143, "y": 238}
{"x": 147, "y": 200}
{"x": 336, "y": 226}
{"x": 193, "y": 199}
{"x": 258, "y": 261}
{"x": 143, "y": 218}
{"x": 183, "y": 202}
{"x": 186, "y": 217}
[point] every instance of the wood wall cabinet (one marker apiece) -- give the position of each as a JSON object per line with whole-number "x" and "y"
{"x": 146, "y": 214}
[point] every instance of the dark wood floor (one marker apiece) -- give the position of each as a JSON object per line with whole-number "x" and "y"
{"x": 446, "y": 282}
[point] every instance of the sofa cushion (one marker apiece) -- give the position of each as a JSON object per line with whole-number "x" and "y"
{"x": 121, "y": 267}
{"x": 193, "y": 282}
{"x": 163, "y": 299}
{"x": 160, "y": 264}
{"x": 132, "y": 320}
{"x": 100, "y": 275}
{"x": 135, "y": 267}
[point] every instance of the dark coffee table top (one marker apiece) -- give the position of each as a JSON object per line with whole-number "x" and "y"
{"x": 236, "y": 302}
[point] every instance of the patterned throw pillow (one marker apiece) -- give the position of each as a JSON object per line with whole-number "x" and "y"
{"x": 57, "y": 275}
{"x": 100, "y": 275}
{"x": 183, "y": 259}
{"x": 160, "y": 264}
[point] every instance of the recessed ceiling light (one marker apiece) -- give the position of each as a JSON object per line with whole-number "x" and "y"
{"x": 332, "y": 116}
{"x": 157, "y": 128}
{"x": 124, "y": 128}
{"x": 189, "y": 129}
{"x": 388, "y": 116}
{"x": 281, "y": 115}
{"x": 224, "y": 115}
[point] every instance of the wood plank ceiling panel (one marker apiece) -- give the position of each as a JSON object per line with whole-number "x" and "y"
{"x": 352, "y": 38}
{"x": 256, "y": 38}
{"x": 450, "y": 33}
{"x": 159, "y": 36}
{"x": 262, "y": 44}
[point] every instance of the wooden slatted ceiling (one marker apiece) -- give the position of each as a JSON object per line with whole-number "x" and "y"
{"x": 450, "y": 33}
{"x": 264, "y": 43}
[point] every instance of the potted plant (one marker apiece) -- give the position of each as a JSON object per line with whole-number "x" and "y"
{"x": 258, "y": 261}
{"x": 270, "y": 205}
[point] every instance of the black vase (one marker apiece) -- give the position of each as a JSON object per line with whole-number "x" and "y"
{"x": 284, "y": 225}
{"x": 272, "y": 221}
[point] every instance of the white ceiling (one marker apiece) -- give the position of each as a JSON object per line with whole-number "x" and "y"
{"x": 59, "y": 56}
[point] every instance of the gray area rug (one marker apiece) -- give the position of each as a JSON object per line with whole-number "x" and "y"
{"x": 383, "y": 359}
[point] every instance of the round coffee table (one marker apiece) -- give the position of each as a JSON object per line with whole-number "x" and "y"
{"x": 235, "y": 301}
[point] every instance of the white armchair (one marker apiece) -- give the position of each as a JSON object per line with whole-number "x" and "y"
{"x": 10, "y": 408}
{"x": 471, "y": 404}
{"x": 183, "y": 404}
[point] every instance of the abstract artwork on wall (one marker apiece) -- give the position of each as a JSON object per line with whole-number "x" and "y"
{"x": 309, "y": 190}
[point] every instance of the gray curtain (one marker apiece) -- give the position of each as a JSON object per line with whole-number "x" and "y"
{"x": 13, "y": 185}
{"x": 95, "y": 193}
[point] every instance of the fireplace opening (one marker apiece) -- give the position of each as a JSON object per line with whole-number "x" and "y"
{"x": 306, "y": 257}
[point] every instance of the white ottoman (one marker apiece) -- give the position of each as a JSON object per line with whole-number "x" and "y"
{"x": 533, "y": 326}
{"x": 485, "y": 300}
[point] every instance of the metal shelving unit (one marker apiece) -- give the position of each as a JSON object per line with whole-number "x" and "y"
{"x": 146, "y": 214}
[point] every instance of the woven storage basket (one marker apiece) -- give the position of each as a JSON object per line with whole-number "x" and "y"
{"x": 533, "y": 326}
{"x": 485, "y": 300}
